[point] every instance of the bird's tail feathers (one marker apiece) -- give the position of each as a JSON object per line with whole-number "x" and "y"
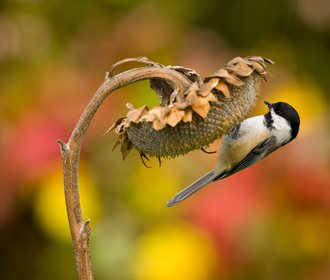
{"x": 196, "y": 186}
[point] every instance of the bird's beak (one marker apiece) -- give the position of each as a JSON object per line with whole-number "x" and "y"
{"x": 269, "y": 105}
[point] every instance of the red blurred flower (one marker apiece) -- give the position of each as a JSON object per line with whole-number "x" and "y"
{"x": 226, "y": 209}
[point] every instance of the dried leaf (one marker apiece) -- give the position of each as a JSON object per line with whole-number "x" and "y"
{"x": 126, "y": 145}
{"x": 115, "y": 145}
{"x": 114, "y": 125}
{"x": 175, "y": 116}
{"x": 122, "y": 126}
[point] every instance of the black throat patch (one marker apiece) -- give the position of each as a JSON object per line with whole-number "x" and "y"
{"x": 268, "y": 121}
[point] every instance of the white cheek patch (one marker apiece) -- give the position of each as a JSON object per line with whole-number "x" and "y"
{"x": 282, "y": 129}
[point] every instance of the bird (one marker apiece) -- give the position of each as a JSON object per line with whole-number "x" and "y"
{"x": 248, "y": 143}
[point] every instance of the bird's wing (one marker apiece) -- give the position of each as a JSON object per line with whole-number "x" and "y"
{"x": 194, "y": 187}
{"x": 257, "y": 153}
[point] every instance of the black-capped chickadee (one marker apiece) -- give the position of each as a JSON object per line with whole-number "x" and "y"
{"x": 248, "y": 143}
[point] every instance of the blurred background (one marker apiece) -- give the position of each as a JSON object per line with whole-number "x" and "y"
{"x": 271, "y": 221}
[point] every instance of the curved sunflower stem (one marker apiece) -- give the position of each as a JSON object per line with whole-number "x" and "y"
{"x": 80, "y": 228}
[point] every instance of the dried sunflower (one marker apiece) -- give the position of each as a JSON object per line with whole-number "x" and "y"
{"x": 191, "y": 119}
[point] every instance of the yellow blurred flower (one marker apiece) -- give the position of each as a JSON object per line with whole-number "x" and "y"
{"x": 176, "y": 252}
{"x": 314, "y": 230}
{"x": 49, "y": 204}
{"x": 152, "y": 187}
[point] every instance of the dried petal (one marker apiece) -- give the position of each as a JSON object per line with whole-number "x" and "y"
{"x": 233, "y": 80}
{"x": 194, "y": 87}
{"x": 260, "y": 68}
{"x": 240, "y": 69}
{"x": 160, "y": 114}
{"x": 191, "y": 97}
{"x": 229, "y": 78}
{"x": 181, "y": 105}
{"x": 158, "y": 125}
{"x": 257, "y": 59}
{"x": 135, "y": 115}
{"x": 148, "y": 118}
{"x": 268, "y": 60}
{"x": 221, "y": 73}
{"x": 206, "y": 88}
{"x": 259, "y": 63}
{"x": 223, "y": 87}
{"x": 235, "y": 60}
{"x": 175, "y": 116}
{"x": 129, "y": 106}
{"x": 211, "y": 98}
{"x": 202, "y": 107}
{"x": 187, "y": 116}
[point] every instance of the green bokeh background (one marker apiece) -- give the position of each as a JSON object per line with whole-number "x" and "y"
{"x": 271, "y": 221}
